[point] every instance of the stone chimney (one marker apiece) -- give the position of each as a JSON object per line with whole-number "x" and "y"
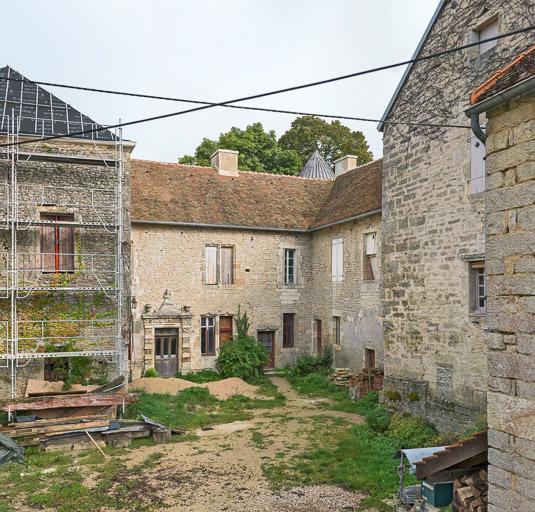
{"x": 225, "y": 161}
{"x": 344, "y": 164}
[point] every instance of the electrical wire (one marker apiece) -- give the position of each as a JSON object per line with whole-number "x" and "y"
{"x": 207, "y": 105}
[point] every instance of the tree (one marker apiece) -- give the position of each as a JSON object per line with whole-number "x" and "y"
{"x": 333, "y": 140}
{"x": 258, "y": 149}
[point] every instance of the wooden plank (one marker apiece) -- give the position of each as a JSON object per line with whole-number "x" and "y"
{"x": 58, "y": 401}
{"x": 48, "y": 423}
{"x": 452, "y": 455}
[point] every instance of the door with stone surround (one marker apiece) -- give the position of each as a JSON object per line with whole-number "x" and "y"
{"x": 267, "y": 338}
{"x": 166, "y": 352}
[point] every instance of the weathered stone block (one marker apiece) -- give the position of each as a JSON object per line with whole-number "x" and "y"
{"x": 501, "y": 477}
{"x": 499, "y": 440}
{"x": 526, "y": 171}
{"x": 526, "y": 343}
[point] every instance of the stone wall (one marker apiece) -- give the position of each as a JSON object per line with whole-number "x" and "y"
{"x": 54, "y": 181}
{"x": 355, "y": 300}
{"x": 172, "y": 258}
{"x": 510, "y": 209}
{"x": 433, "y": 226}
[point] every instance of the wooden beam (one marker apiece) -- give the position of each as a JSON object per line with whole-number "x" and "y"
{"x": 58, "y": 401}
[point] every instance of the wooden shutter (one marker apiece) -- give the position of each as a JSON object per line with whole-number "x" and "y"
{"x": 66, "y": 245}
{"x": 48, "y": 249}
{"x": 288, "y": 330}
{"x": 477, "y": 165}
{"x": 225, "y": 329}
{"x": 371, "y": 244}
{"x": 227, "y": 265}
{"x": 337, "y": 256}
{"x": 211, "y": 264}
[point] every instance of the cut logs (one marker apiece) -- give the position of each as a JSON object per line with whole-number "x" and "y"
{"x": 470, "y": 493}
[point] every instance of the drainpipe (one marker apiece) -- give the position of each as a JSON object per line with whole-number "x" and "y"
{"x": 476, "y": 128}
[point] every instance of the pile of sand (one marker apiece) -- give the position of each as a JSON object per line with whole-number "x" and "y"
{"x": 232, "y": 386}
{"x": 161, "y": 385}
{"x": 221, "y": 389}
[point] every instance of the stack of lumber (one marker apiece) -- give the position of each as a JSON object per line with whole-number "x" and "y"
{"x": 341, "y": 377}
{"x": 31, "y": 433}
{"x": 470, "y": 493}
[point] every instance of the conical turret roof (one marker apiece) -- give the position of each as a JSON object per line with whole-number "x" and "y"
{"x": 317, "y": 168}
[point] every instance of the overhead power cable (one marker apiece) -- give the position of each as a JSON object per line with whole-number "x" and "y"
{"x": 208, "y": 105}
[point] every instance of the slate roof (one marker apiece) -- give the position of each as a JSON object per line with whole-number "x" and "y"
{"x": 184, "y": 194}
{"x": 41, "y": 113}
{"x": 520, "y": 69}
{"x": 317, "y": 168}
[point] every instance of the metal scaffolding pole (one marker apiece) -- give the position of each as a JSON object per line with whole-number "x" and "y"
{"x": 96, "y": 215}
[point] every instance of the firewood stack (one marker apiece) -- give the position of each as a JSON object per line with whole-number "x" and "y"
{"x": 470, "y": 493}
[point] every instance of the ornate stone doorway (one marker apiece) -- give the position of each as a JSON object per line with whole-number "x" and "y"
{"x": 167, "y": 334}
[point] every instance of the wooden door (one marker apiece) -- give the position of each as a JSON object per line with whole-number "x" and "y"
{"x": 317, "y": 335}
{"x": 267, "y": 338}
{"x": 225, "y": 329}
{"x": 369, "y": 358}
{"x": 166, "y": 352}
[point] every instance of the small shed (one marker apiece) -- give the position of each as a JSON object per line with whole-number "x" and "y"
{"x": 457, "y": 474}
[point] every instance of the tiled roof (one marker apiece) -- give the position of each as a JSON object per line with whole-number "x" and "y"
{"x": 168, "y": 192}
{"x": 354, "y": 193}
{"x": 39, "y": 112}
{"x": 521, "y": 68}
{"x": 317, "y": 168}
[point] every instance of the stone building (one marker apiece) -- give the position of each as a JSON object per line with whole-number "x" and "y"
{"x": 288, "y": 250}
{"x": 433, "y": 249}
{"x": 508, "y": 101}
{"x": 64, "y": 215}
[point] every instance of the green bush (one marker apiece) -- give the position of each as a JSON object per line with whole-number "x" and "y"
{"x": 393, "y": 395}
{"x": 378, "y": 420}
{"x": 242, "y": 357}
{"x": 366, "y": 405}
{"x": 314, "y": 384}
{"x": 151, "y": 372}
{"x": 200, "y": 377}
{"x": 307, "y": 364}
{"x": 195, "y": 396}
{"x": 410, "y": 432}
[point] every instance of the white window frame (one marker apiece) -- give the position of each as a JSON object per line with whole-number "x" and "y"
{"x": 289, "y": 279}
{"x": 337, "y": 259}
{"x": 218, "y": 265}
{"x": 478, "y": 287}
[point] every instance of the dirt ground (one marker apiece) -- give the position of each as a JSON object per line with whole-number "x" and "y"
{"x": 223, "y": 470}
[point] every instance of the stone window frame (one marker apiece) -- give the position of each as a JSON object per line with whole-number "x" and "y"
{"x": 296, "y": 250}
{"x": 486, "y": 19}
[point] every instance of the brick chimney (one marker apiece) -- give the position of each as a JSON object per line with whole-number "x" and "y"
{"x": 225, "y": 161}
{"x": 344, "y": 164}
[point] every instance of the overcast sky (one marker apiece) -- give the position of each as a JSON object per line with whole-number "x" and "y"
{"x": 214, "y": 50}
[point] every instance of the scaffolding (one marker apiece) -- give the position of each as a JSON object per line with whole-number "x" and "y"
{"x": 24, "y": 273}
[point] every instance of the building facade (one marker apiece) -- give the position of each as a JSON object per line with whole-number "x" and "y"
{"x": 508, "y": 101}
{"x": 288, "y": 250}
{"x": 433, "y": 249}
{"x": 64, "y": 238}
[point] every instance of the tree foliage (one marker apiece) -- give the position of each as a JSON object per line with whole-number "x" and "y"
{"x": 333, "y": 140}
{"x": 261, "y": 151}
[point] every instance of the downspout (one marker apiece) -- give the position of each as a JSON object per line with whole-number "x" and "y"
{"x": 476, "y": 128}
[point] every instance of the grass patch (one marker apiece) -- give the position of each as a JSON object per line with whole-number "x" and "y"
{"x": 201, "y": 376}
{"x": 190, "y": 409}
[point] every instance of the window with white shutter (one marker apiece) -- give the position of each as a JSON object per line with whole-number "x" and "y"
{"x": 487, "y": 31}
{"x": 337, "y": 259}
{"x": 211, "y": 262}
{"x": 477, "y": 165}
{"x": 219, "y": 263}
{"x": 370, "y": 268}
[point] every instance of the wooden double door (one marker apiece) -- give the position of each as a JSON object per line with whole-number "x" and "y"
{"x": 166, "y": 352}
